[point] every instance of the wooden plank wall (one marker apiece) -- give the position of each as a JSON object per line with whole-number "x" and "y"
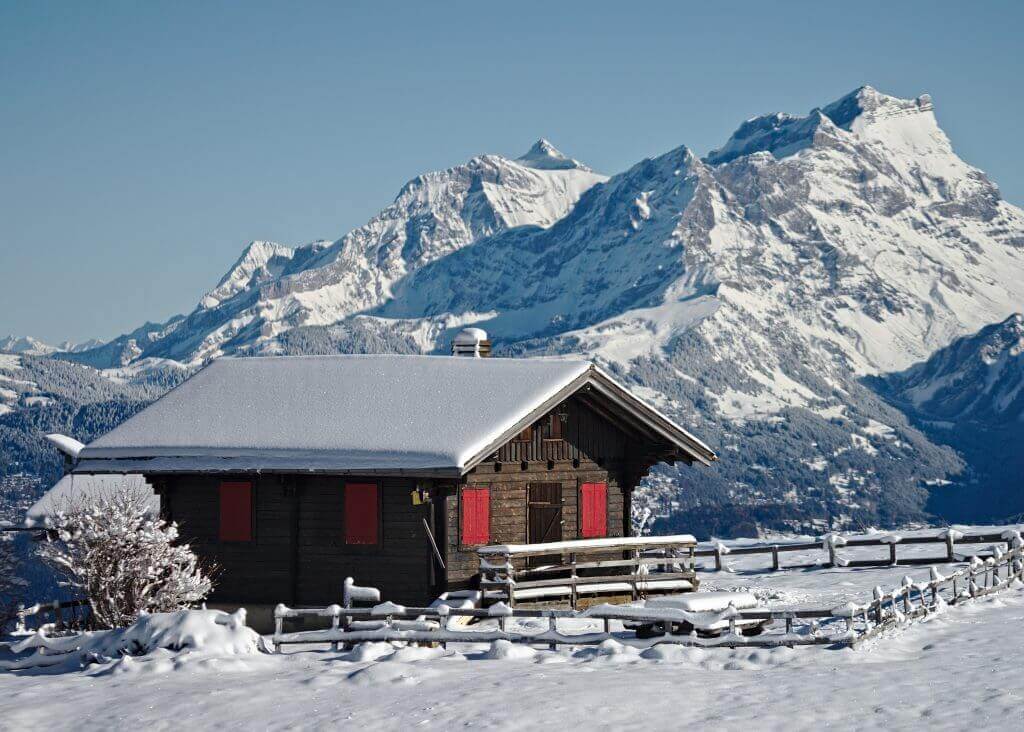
{"x": 586, "y": 436}
{"x": 601, "y": 451}
{"x": 400, "y": 566}
{"x": 249, "y": 572}
{"x": 310, "y": 509}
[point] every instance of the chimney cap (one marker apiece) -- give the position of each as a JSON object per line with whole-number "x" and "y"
{"x": 470, "y": 336}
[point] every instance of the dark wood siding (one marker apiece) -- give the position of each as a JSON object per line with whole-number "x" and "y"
{"x": 585, "y": 435}
{"x": 399, "y": 566}
{"x": 256, "y": 571}
{"x": 306, "y": 510}
{"x": 593, "y": 450}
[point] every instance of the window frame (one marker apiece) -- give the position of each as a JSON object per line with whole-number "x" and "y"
{"x": 525, "y": 435}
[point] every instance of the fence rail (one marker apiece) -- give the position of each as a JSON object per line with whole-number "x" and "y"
{"x": 635, "y": 566}
{"x": 847, "y": 625}
{"x": 57, "y": 608}
{"x": 949, "y": 538}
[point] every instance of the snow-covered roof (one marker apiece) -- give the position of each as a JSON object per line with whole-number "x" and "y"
{"x": 381, "y": 413}
{"x": 67, "y": 445}
{"x": 73, "y": 490}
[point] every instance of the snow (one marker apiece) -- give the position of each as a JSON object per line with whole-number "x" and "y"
{"x": 67, "y": 445}
{"x": 72, "y": 489}
{"x": 901, "y": 681}
{"x": 345, "y": 412}
{"x": 584, "y": 544}
{"x": 201, "y": 632}
{"x": 349, "y": 413}
{"x": 705, "y": 602}
{"x": 9, "y": 362}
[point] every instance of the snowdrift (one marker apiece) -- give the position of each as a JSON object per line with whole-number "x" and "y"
{"x": 199, "y": 632}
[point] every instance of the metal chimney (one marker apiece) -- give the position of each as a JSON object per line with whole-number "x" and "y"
{"x": 471, "y": 342}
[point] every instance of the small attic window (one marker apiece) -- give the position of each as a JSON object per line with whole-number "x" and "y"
{"x": 525, "y": 436}
{"x": 556, "y": 426}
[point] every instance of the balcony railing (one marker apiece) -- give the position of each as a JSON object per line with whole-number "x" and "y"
{"x": 580, "y": 570}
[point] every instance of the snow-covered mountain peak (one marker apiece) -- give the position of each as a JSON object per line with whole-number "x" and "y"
{"x": 866, "y": 105}
{"x": 25, "y": 345}
{"x": 545, "y": 156}
{"x": 260, "y": 261}
{"x": 908, "y": 124}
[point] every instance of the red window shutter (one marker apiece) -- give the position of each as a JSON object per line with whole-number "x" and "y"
{"x": 362, "y": 517}
{"x": 476, "y": 516}
{"x": 594, "y": 510}
{"x": 235, "y": 511}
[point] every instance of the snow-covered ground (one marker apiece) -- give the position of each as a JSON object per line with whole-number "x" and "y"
{"x": 959, "y": 667}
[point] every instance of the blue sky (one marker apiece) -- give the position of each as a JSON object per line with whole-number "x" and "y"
{"x": 143, "y": 144}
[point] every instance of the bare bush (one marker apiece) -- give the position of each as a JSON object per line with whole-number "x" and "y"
{"x": 124, "y": 559}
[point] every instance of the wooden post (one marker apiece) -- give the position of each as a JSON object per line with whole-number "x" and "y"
{"x": 830, "y": 547}
{"x": 335, "y": 622}
{"x": 636, "y": 568}
{"x": 510, "y": 574}
{"x": 718, "y": 558}
{"x": 572, "y": 580}
{"x": 949, "y": 544}
{"x": 278, "y": 626}
{"x": 553, "y": 628}
{"x": 892, "y": 553}
{"x": 775, "y": 557}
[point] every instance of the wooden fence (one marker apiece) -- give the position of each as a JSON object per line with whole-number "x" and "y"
{"x": 830, "y": 544}
{"x": 633, "y": 566}
{"x": 70, "y": 613}
{"x": 847, "y": 625}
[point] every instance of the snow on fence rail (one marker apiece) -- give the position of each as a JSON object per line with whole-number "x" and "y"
{"x": 832, "y": 543}
{"x": 637, "y": 565}
{"x": 847, "y": 625}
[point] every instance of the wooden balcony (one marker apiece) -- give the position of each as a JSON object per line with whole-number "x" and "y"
{"x": 587, "y": 571}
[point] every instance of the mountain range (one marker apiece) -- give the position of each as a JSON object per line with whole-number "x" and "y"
{"x": 831, "y": 300}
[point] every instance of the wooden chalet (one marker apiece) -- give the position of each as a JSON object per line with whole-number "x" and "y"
{"x": 292, "y": 473}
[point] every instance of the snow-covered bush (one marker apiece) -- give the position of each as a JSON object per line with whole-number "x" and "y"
{"x": 125, "y": 560}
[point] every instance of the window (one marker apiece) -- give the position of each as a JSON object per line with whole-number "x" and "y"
{"x": 235, "y": 511}
{"x": 555, "y": 425}
{"x": 362, "y": 513}
{"x": 476, "y": 516}
{"x": 593, "y": 510}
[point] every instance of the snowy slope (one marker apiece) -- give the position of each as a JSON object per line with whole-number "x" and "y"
{"x": 752, "y": 293}
{"x": 976, "y": 378}
{"x": 954, "y": 670}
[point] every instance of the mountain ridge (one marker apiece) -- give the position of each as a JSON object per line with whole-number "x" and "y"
{"x": 754, "y": 294}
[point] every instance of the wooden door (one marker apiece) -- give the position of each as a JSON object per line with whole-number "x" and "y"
{"x": 544, "y": 517}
